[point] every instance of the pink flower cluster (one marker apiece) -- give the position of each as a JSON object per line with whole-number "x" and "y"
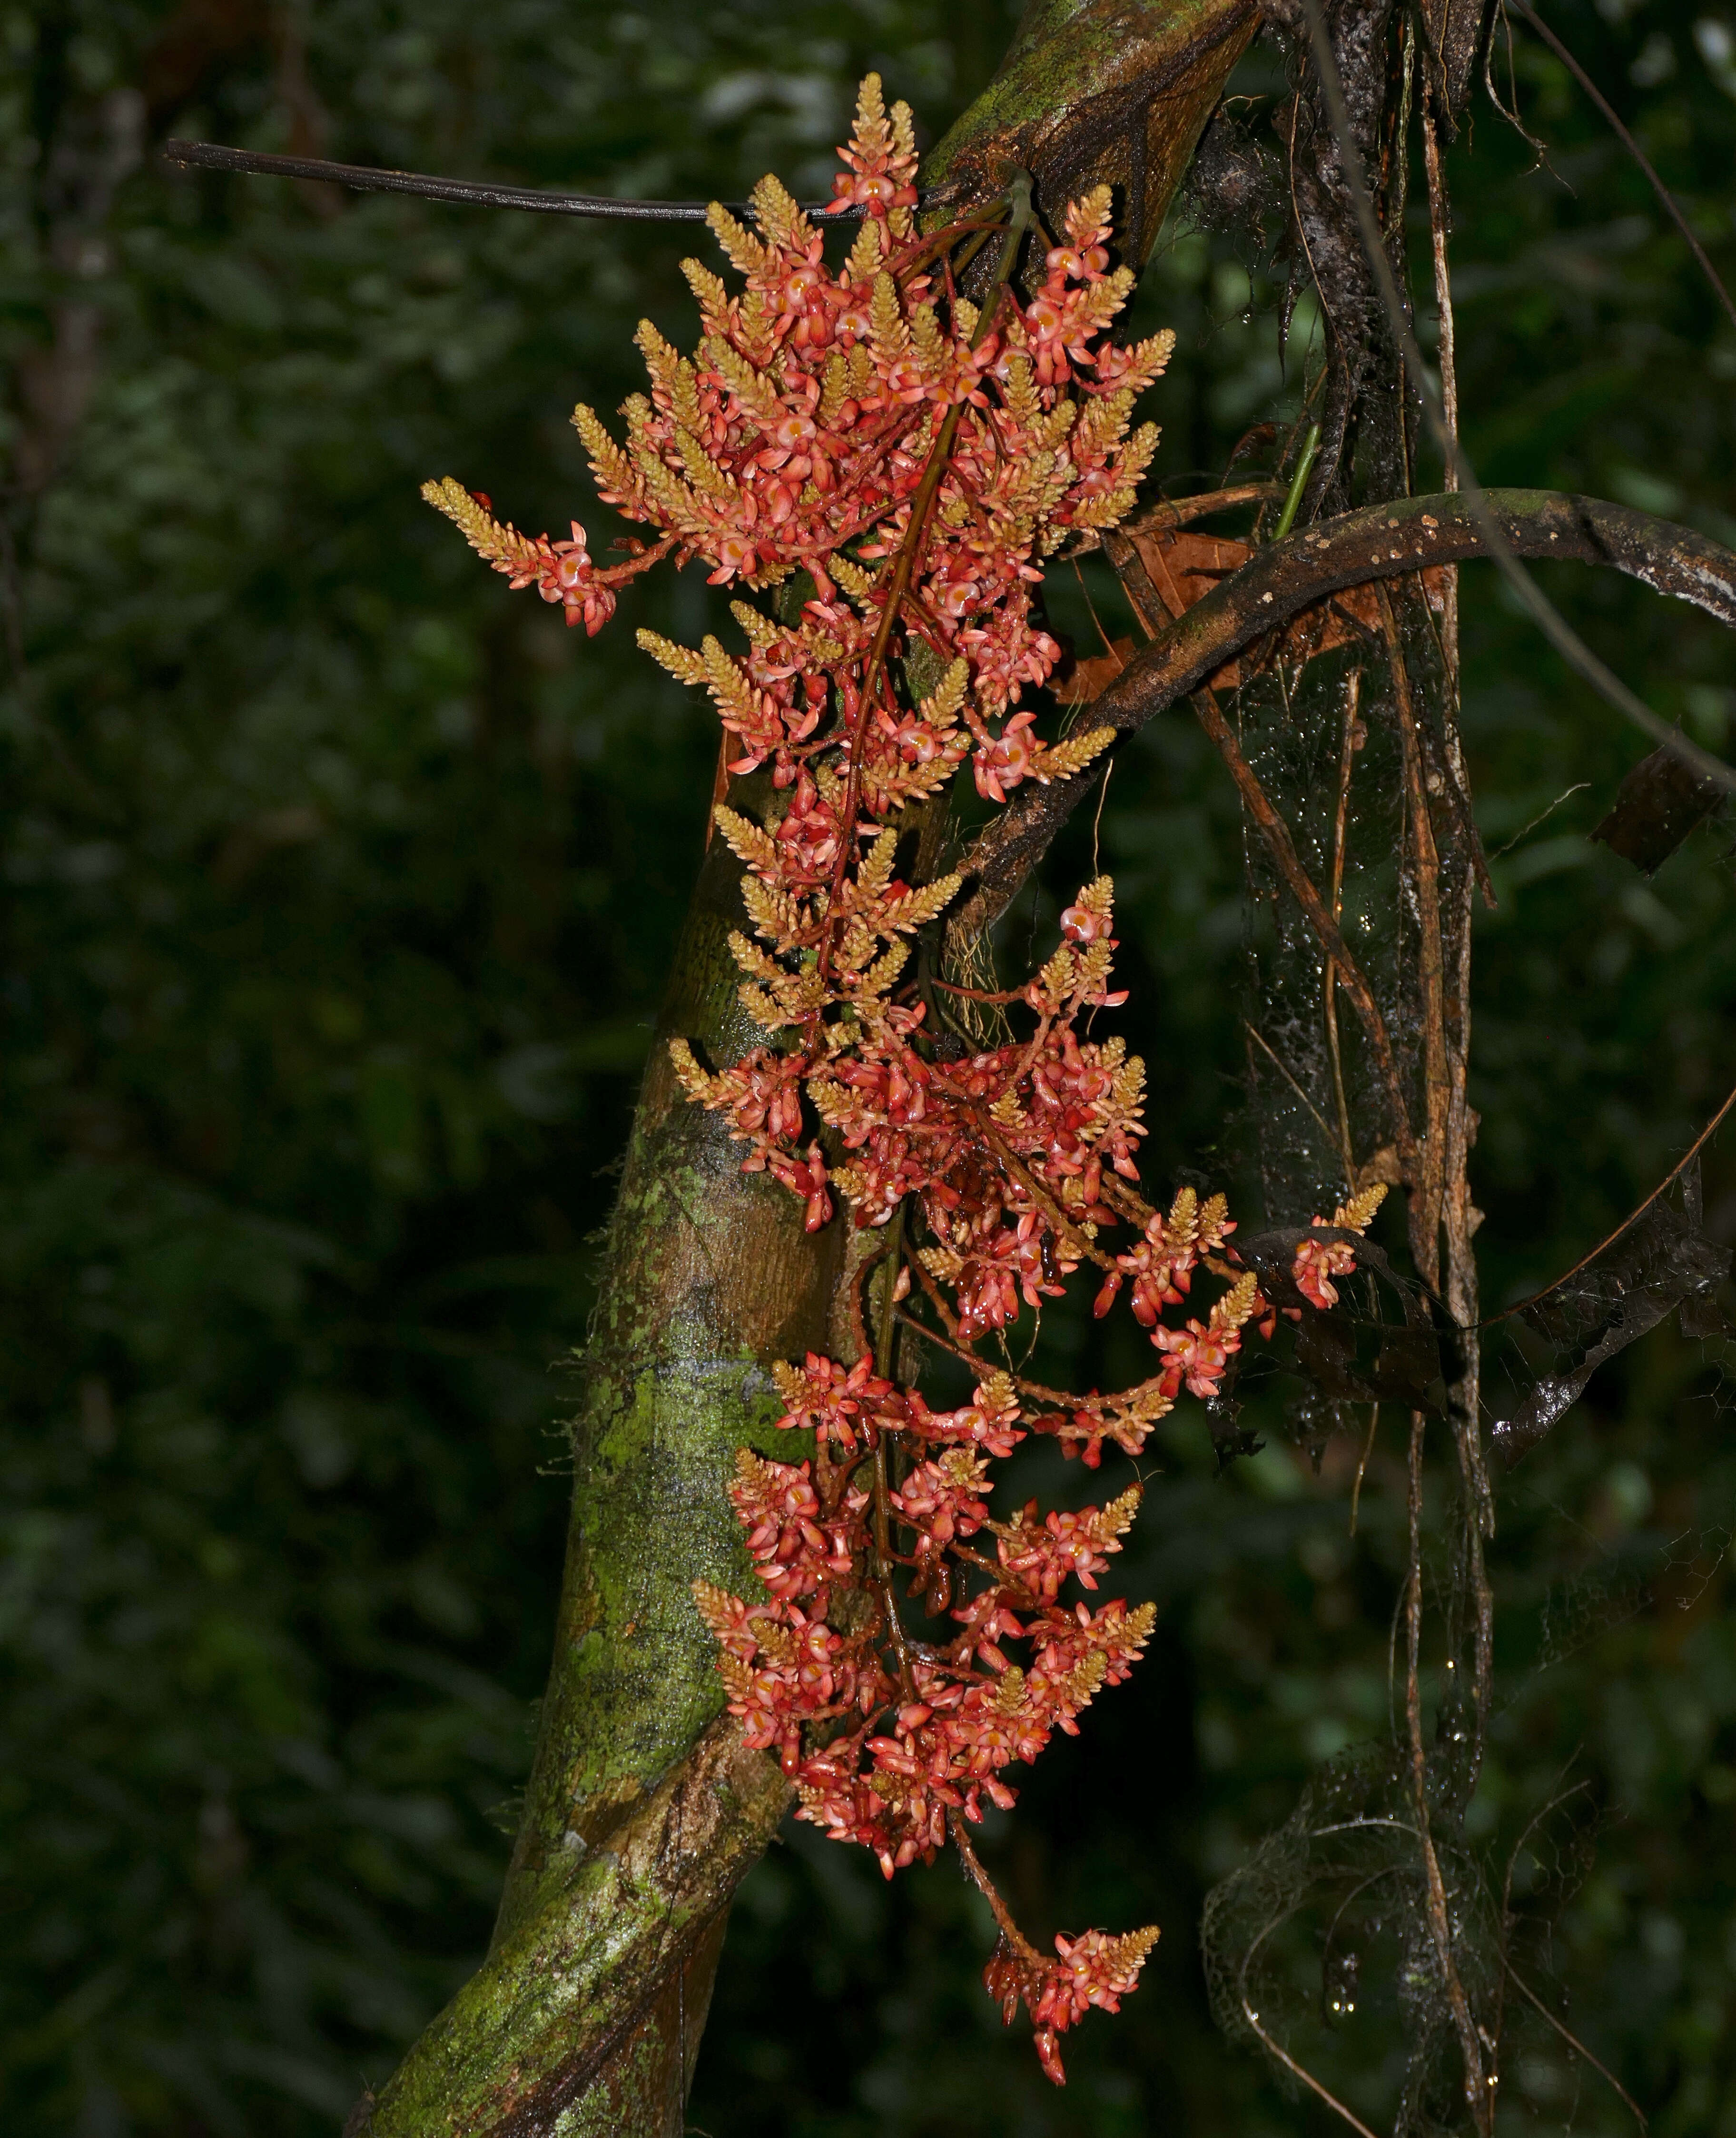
{"x": 1095, "y": 1969}
{"x": 561, "y": 572}
{"x": 1005, "y": 1150}
{"x": 797, "y": 438}
{"x": 1319, "y": 1262}
{"x": 917, "y": 457}
{"x": 885, "y": 1737}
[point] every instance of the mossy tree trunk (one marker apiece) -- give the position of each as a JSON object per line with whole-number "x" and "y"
{"x": 640, "y": 1815}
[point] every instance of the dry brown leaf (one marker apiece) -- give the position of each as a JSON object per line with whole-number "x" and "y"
{"x": 1184, "y": 567}
{"x": 1081, "y": 682}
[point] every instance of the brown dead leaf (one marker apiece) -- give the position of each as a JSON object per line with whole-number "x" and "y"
{"x": 1183, "y": 568}
{"x": 1383, "y": 1166}
{"x": 1660, "y": 802}
{"x": 1081, "y": 682}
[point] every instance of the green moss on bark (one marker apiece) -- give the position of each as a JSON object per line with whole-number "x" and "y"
{"x": 1098, "y": 92}
{"x": 710, "y": 1277}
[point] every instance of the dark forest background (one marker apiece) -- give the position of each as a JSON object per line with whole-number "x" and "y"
{"x": 339, "y": 885}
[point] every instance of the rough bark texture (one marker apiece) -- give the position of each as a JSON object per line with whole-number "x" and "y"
{"x": 1109, "y": 90}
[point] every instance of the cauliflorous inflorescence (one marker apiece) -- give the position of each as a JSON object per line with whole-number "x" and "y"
{"x": 914, "y": 457}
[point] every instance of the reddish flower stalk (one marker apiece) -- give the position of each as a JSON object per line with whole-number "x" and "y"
{"x": 917, "y": 458}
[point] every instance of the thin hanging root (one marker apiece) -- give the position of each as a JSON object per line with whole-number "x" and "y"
{"x": 1537, "y": 604}
{"x": 1329, "y": 978}
{"x": 1435, "y": 170}
{"x": 1479, "y": 2094}
{"x": 1573, "y": 2042}
{"x": 1362, "y": 1467}
{"x": 1426, "y": 1208}
{"x": 1275, "y": 833}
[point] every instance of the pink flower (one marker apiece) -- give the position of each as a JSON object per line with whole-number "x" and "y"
{"x": 795, "y": 442}
{"x": 1197, "y": 1355}
{"x": 1007, "y": 761}
{"x": 1316, "y": 1263}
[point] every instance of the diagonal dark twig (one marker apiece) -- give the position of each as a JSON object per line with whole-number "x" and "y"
{"x": 1667, "y": 200}
{"x": 1276, "y": 2049}
{"x": 471, "y": 193}
{"x": 1542, "y": 611}
{"x": 1519, "y": 838}
{"x": 1276, "y": 1060}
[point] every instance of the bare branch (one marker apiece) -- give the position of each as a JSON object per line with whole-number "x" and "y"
{"x": 1279, "y": 583}
{"x": 1537, "y": 604}
{"x": 1671, "y": 207}
{"x": 468, "y": 193}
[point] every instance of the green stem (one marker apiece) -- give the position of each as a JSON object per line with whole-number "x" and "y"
{"x": 1298, "y": 483}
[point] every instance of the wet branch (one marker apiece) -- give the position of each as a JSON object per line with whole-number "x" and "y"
{"x": 1278, "y": 584}
{"x": 465, "y": 192}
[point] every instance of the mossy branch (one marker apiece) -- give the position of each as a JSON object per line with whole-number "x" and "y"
{"x": 1096, "y": 92}
{"x": 522, "y": 2042}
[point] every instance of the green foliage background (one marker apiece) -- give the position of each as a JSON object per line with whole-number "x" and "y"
{"x": 337, "y": 886}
